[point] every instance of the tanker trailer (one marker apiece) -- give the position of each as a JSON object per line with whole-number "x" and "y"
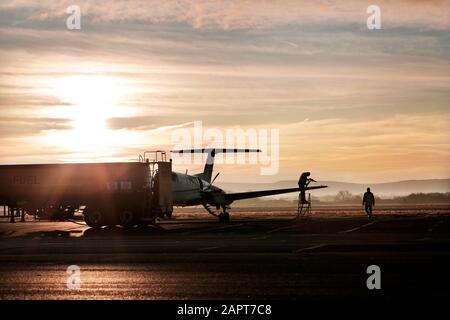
{"x": 111, "y": 193}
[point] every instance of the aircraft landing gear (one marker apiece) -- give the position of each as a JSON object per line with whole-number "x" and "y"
{"x": 224, "y": 216}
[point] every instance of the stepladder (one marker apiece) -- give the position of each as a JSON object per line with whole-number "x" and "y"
{"x": 304, "y": 208}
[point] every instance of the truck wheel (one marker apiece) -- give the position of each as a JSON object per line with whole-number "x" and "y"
{"x": 127, "y": 219}
{"x": 54, "y": 213}
{"x": 93, "y": 218}
{"x": 69, "y": 213}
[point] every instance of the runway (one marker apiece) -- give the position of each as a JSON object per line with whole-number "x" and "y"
{"x": 324, "y": 257}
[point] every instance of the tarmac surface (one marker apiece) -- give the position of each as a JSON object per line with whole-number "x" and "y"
{"x": 260, "y": 258}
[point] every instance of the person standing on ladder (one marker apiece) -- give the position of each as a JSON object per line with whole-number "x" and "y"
{"x": 303, "y": 183}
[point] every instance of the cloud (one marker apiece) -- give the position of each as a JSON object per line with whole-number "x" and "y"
{"x": 389, "y": 148}
{"x": 144, "y": 123}
{"x": 237, "y": 14}
{"x": 24, "y": 126}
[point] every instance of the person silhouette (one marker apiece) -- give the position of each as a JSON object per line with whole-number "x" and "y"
{"x": 11, "y": 217}
{"x": 368, "y": 202}
{"x": 303, "y": 183}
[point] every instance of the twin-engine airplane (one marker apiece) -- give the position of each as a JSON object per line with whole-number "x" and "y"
{"x": 198, "y": 189}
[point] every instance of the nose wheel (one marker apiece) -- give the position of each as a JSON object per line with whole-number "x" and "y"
{"x": 224, "y": 216}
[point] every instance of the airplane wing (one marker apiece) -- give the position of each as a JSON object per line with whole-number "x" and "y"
{"x": 255, "y": 194}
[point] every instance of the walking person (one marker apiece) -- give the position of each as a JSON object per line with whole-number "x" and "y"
{"x": 12, "y": 212}
{"x": 368, "y": 202}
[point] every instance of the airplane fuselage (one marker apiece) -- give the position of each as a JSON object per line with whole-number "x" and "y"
{"x": 191, "y": 190}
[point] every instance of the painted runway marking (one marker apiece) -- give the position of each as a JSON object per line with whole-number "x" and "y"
{"x": 228, "y": 226}
{"x": 210, "y": 248}
{"x": 309, "y": 248}
{"x": 214, "y": 228}
{"x": 260, "y": 238}
{"x": 281, "y": 228}
{"x": 358, "y": 228}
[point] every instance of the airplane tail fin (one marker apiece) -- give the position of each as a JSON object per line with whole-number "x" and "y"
{"x": 207, "y": 172}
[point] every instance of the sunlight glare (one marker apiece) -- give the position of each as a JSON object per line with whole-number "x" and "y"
{"x": 91, "y": 101}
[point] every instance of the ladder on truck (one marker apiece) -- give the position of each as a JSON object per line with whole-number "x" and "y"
{"x": 159, "y": 181}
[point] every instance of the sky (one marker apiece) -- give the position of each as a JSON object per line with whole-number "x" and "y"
{"x": 348, "y": 103}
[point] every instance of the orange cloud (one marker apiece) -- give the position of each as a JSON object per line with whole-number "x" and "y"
{"x": 235, "y": 14}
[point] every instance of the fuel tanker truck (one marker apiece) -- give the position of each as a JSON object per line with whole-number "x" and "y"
{"x": 125, "y": 193}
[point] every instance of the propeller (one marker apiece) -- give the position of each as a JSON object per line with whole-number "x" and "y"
{"x": 215, "y": 177}
{"x": 207, "y": 189}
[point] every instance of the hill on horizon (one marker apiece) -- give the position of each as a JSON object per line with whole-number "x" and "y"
{"x": 385, "y": 189}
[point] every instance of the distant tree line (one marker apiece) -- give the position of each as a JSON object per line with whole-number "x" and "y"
{"x": 416, "y": 198}
{"x": 426, "y": 198}
{"x": 346, "y": 197}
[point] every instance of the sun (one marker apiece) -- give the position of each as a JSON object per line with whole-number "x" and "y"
{"x": 88, "y": 102}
